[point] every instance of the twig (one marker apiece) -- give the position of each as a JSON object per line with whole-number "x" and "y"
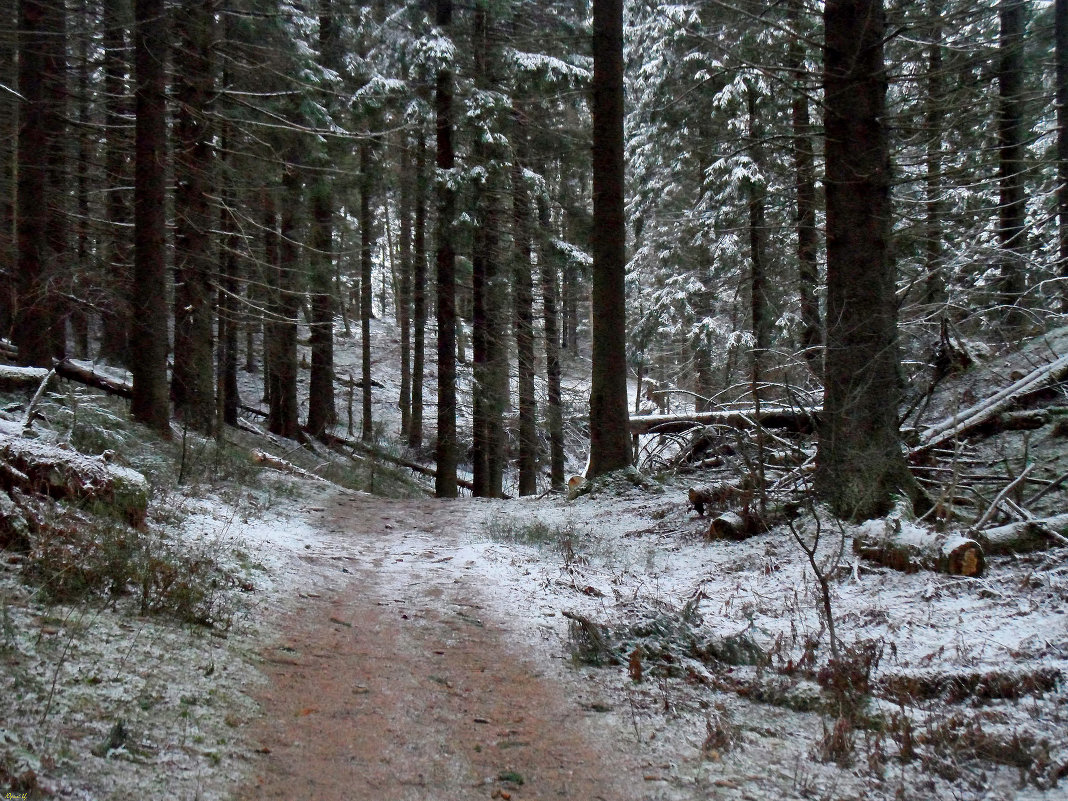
{"x": 985, "y": 518}
{"x": 31, "y": 409}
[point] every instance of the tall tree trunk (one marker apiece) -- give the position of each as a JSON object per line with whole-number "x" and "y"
{"x": 554, "y": 417}
{"x": 419, "y": 293}
{"x": 760, "y": 303}
{"x": 9, "y": 115}
{"x": 1012, "y": 166}
{"x": 859, "y": 458}
{"x": 489, "y": 348}
{"x": 1061, "y": 27}
{"x": 523, "y": 311}
{"x": 150, "y": 403}
{"x": 227, "y": 392}
{"x": 404, "y": 285}
{"x": 367, "y": 243}
{"x": 115, "y": 246}
{"x": 609, "y": 441}
{"x": 446, "y": 446}
{"x": 935, "y": 278}
{"x": 192, "y": 377}
{"x": 41, "y": 140}
{"x": 322, "y": 413}
{"x": 76, "y": 305}
{"x": 268, "y": 283}
{"x": 808, "y": 271}
{"x": 282, "y": 371}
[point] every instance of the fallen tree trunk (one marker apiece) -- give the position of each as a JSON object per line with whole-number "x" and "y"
{"x": 907, "y": 547}
{"x": 334, "y": 441}
{"x": 975, "y": 417}
{"x": 36, "y": 467}
{"x": 65, "y": 368}
{"x": 802, "y": 421}
{"x": 1027, "y": 535}
{"x": 13, "y": 379}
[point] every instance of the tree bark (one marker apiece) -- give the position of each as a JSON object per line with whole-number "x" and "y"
{"x": 419, "y": 278}
{"x": 150, "y": 403}
{"x": 808, "y": 271}
{"x": 192, "y": 377}
{"x": 367, "y": 243}
{"x": 523, "y": 313}
{"x": 554, "y": 416}
{"x": 41, "y": 141}
{"x": 115, "y": 246}
{"x": 321, "y": 410}
{"x": 1012, "y": 166}
{"x": 609, "y": 442}
{"x": 859, "y": 458}
{"x": 446, "y": 445}
{"x": 404, "y": 287}
{"x": 283, "y": 418}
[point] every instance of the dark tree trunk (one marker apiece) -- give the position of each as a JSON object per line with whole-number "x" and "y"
{"x": 419, "y": 278}
{"x": 321, "y": 411}
{"x": 404, "y": 286}
{"x": 148, "y": 305}
{"x": 41, "y": 141}
{"x": 808, "y": 271}
{"x": 759, "y": 302}
{"x": 1012, "y": 165}
{"x": 367, "y": 242}
{"x": 935, "y": 279}
{"x": 1061, "y": 27}
{"x": 9, "y": 124}
{"x": 79, "y": 319}
{"x": 859, "y": 458}
{"x": 446, "y": 446}
{"x": 523, "y": 312}
{"x": 115, "y": 247}
{"x": 192, "y": 377}
{"x": 268, "y": 285}
{"x": 489, "y": 323}
{"x": 282, "y": 371}
{"x": 609, "y": 441}
{"x": 550, "y": 307}
{"x": 228, "y": 395}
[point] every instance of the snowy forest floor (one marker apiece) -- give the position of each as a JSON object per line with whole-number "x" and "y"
{"x": 602, "y": 647}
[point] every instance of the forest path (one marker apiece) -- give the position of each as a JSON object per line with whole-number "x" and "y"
{"x": 397, "y": 679}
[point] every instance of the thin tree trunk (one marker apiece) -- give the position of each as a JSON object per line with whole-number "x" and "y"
{"x": 9, "y": 115}
{"x": 549, "y": 297}
{"x": 523, "y": 312}
{"x": 446, "y": 446}
{"x": 760, "y": 304}
{"x": 1061, "y": 28}
{"x": 192, "y": 378}
{"x": 283, "y": 417}
{"x": 1012, "y": 203}
{"x": 367, "y": 242}
{"x": 150, "y": 403}
{"x": 419, "y": 278}
{"x": 321, "y": 410}
{"x": 79, "y": 319}
{"x": 609, "y": 442}
{"x": 935, "y": 280}
{"x": 404, "y": 285}
{"x": 228, "y": 394}
{"x": 808, "y": 271}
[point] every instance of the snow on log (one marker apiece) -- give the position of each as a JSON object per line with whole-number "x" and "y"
{"x": 274, "y": 462}
{"x": 1028, "y": 535}
{"x": 15, "y": 378}
{"x": 798, "y": 420}
{"x": 90, "y": 377}
{"x": 68, "y": 475}
{"x": 980, "y": 414}
{"x": 907, "y": 547}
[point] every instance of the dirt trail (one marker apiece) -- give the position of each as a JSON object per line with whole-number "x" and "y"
{"x": 384, "y": 689}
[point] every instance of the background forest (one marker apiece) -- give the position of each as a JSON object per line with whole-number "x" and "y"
{"x": 212, "y": 182}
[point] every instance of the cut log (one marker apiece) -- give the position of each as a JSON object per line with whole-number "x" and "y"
{"x": 13, "y": 379}
{"x": 975, "y": 417}
{"x": 802, "y": 421}
{"x": 86, "y": 375}
{"x": 907, "y": 547}
{"x": 1028, "y": 535}
{"x": 69, "y": 475}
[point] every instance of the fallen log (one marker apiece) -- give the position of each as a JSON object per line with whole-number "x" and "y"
{"x": 904, "y": 546}
{"x": 801, "y": 421}
{"x": 37, "y": 467}
{"x": 980, "y": 414}
{"x": 13, "y": 379}
{"x": 1024, "y": 536}
{"x": 276, "y": 463}
{"x": 65, "y": 368}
